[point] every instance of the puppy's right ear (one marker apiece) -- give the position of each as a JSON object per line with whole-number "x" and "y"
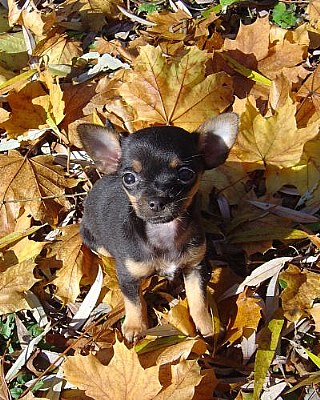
{"x": 103, "y": 146}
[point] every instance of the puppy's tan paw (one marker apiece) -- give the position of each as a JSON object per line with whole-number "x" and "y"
{"x": 133, "y": 332}
{"x": 203, "y": 324}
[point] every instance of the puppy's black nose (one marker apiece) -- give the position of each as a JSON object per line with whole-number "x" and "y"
{"x": 157, "y": 204}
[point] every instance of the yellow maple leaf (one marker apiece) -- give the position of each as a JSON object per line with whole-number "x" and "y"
{"x": 31, "y": 179}
{"x": 275, "y": 140}
{"x": 175, "y": 91}
{"x": 123, "y": 378}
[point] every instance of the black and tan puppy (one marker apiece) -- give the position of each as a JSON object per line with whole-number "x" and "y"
{"x": 145, "y": 212}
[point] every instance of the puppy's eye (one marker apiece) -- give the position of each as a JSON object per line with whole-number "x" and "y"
{"x": 129, "y": 179}
{"x": 185, "y": 174}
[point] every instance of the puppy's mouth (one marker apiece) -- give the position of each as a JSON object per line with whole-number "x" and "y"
{"x": 161, "y": 219}
{"x": 164, "y": 216}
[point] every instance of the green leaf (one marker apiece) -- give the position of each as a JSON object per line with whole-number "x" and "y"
{"x": 284, "y": 15}
{"x": 7, "y": 327}
{"x": 148, "y": 7}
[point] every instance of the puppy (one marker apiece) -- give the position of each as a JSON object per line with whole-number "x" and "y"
{"x": 145, "y": 212}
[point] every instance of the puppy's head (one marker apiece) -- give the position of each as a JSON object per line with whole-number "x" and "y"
{"x": 160, "y": 167}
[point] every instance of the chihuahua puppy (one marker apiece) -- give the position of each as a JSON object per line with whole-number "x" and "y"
{"x": 145, "y": 212}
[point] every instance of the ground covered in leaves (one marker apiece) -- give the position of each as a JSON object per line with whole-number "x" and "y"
{"x": 138, "y": 64}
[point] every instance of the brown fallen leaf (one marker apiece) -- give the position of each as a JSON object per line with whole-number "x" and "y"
{"x": 302, "y": 288}
{"x": 122, "y": 379}
{"x": 31, "y": 179}
{"x": 175, "y": 92}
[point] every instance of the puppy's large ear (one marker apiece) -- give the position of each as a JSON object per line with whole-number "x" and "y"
{"x": 103, "y": 146}
{"x": 217, "y": 136}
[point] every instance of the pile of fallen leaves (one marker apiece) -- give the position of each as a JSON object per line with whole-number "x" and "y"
{"x": 135, "y": 65}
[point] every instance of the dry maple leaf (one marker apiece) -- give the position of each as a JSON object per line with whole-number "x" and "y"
{"x": 14, "y": 281}
{"x": 122, "y": 379}
{"x": 33, "y": 178}
{"x": 274, "y": 140}
{"x": 251, "y": 44}
{"x": 302, "y": 289}
{"x": 175, "y": 92}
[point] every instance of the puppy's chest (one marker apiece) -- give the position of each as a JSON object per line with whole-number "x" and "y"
{"x": 168, "y": 249}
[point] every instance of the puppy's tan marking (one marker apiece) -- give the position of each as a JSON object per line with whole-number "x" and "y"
{"x": 139, "y": 269}
{"x": 198, "y": 306}
{"x": 103, "y": 252}
{"x": 137, "y": 166}
{"x": 135, "y": 323}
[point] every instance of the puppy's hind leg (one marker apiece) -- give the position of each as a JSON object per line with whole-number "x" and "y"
{"x": 135, "y": 323}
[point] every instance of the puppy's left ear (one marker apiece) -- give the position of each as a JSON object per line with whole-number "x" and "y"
{"x": 217, "y": 136}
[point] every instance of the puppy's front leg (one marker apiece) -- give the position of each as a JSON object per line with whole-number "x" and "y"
{"x": 135, "y": 323}
{"x": 196, "y": 291}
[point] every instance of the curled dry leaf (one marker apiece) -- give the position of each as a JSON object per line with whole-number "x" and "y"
{"x": 175, "y": 92}
{"x": 122, "y": 379}
{"x": 26, "y": 179}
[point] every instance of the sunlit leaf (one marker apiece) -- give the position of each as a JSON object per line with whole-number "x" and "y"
{"x": 175, "y": 92}
{"x": 123, "y": 378}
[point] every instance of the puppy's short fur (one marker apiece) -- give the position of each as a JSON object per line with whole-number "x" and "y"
{"x": 145, "y": 213}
